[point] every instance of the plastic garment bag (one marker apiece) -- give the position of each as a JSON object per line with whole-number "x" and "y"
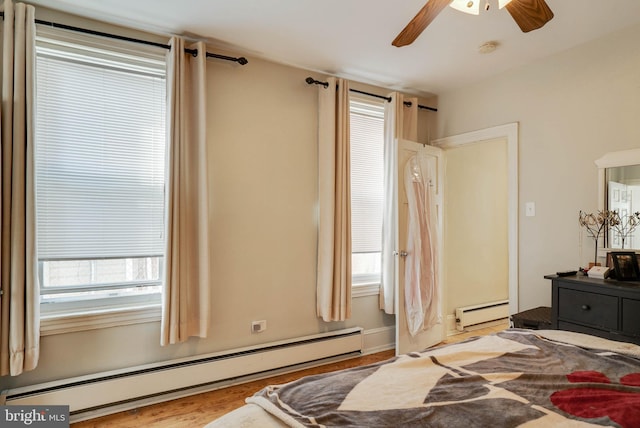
{"x": 421, "y": 276}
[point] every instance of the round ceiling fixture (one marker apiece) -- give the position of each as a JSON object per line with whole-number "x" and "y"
{"x": 487, "y": 47}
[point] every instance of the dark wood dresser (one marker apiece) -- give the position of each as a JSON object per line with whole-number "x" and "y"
{"x": 601, "y": 307}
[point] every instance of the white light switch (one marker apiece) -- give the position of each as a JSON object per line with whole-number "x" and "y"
{"x": 530, "y": 209}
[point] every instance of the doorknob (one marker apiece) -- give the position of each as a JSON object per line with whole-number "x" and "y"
{"x": 403, "y": 254}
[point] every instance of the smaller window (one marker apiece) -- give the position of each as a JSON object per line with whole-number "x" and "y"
{"x": 367, "y": 168}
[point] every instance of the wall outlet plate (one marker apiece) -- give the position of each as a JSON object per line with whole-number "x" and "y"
{"x": 530, "y": 209}
{"x": 258, "y": 326}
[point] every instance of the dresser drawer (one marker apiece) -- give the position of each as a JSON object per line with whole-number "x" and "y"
{"x": 593, "y": 309}
{"x": 631, "y": 316}
{"x": 601, "y": 307}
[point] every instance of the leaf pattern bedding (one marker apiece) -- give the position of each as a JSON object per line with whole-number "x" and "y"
{"x": 515, "y": 378}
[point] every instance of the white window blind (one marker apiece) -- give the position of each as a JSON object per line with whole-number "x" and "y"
{"x": 100, "y": 148}
{"x": 367, "y": 139}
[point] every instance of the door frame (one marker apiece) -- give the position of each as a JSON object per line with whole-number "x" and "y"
{"x": 510, "y": 133}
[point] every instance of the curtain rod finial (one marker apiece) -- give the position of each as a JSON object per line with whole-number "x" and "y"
{"x": 311, "y": 81}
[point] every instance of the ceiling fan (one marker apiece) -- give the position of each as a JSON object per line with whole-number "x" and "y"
{"x": 528, "y": 14}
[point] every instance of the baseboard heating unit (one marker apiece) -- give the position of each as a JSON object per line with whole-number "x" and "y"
{"x": 187, "y": 376}
{"x": 471, "y": 315}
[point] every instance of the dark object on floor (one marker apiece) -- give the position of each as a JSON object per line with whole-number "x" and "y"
{"x": 537, "y": 319}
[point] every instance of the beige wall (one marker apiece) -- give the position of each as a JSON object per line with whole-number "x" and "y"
{"x": 476, "y": 227}
{"x": 572, "y": 108}
{"x": 262, "y": 128}
{"x": 262, "y": 153}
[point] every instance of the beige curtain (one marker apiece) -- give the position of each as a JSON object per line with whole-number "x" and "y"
{"x": 334, "y": 186}
{"x": 20, "y": 310}
{"x": 185, "y": 304}
{"x": 400, "y": 122}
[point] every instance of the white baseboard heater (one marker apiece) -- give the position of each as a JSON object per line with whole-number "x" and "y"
{"x": 477, "y": 314}
{"x": 88, "y": 393}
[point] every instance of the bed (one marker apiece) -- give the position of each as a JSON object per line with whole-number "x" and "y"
{"x": 514, "y": 378}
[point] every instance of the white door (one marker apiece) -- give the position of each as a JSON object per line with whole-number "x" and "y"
{"x": 405, "y": 342}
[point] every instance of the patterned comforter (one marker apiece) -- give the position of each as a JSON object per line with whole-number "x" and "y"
{"x": 514, "y": 378}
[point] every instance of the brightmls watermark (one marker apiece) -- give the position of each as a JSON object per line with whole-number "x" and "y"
{"x": 34, "y": 416}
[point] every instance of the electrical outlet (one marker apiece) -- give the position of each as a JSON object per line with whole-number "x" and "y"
{"x": 258, "y": 326}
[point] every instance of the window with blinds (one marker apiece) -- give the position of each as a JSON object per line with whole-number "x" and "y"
{"x": 100, "y": 166}
{"x": 367, "y": 139}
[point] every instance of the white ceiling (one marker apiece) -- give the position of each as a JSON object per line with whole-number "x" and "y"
{"x": 352, "y": 38}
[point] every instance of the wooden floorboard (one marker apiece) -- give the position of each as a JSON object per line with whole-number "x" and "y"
{"x": 198, "y": 410}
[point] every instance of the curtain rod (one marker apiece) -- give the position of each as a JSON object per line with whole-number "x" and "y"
{"x": 312, "y": 81}
{"x": 240, "y": 60}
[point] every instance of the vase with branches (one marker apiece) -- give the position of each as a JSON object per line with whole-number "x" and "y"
{"x": 595, "y": 224}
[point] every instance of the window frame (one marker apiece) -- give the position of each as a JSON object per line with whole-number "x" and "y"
{"x": 68, "y": 315}
{"x": 369, "y": 283}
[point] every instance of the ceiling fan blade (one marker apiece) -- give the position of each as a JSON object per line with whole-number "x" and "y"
{"x": 529, "y": 14}
{"x": 417, "y": 25}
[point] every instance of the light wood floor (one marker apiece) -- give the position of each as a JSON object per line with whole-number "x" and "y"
{"x": 198, "y": 410}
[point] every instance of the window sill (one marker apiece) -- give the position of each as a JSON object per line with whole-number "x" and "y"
{"x": 68, "y": 322}
{"x": 365, "y": 289}
{"x": 82, "y": 320}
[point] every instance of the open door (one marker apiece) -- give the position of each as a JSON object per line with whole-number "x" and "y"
{"x": 432, "y": 157}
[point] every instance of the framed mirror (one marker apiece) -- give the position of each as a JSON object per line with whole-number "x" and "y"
{"x": 619, "y": 190}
